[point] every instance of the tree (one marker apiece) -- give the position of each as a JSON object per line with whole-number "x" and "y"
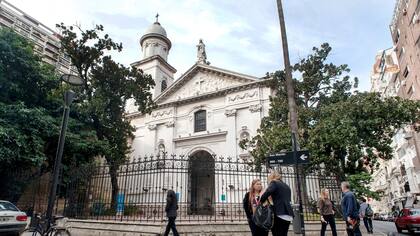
{"x": 107, "y": 88}
{"x": 345, "y": 131}
{"x": 360, "y": 185}
{"x": 30, "y": 116}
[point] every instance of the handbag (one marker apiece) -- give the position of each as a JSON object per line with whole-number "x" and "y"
{"x": 263, "y": 217}
{"x": 353, "y": 224}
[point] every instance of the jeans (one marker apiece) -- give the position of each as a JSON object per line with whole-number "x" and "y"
{"x": 355, "y": 231}
{"x": 280, "y": 227}
{"x": 331, "y": 221}
{"x": 256, "y": 230}
{"x": 368, "y": 224}
{"x": 171, "y": 225}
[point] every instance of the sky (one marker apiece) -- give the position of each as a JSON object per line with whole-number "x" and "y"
{"x": 242, "y": 36}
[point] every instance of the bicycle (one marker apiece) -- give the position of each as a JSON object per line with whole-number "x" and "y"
{"x": 39, "y": 227}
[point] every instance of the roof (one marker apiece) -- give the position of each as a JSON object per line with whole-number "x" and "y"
{"x": 159, "y": 58}
{"x": 195, "y": 69}
{"x": 157, "y": 31}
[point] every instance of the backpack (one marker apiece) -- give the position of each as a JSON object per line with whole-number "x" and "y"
{"x": 263, "y": 217}
{"x": 369, "y": 211}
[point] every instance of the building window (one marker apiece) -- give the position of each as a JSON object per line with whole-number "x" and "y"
{"x": 406, "y": 72}
{"x": 402, "y": 51}
{"x": 163, "y": 85}
{"x": 414, "y": 19}
{"x": 200, "y": 121}
{"x": 398, "y": 36}
{"x": 411, "y": 91}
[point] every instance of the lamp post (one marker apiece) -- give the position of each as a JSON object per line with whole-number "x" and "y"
{"x": 68, "y": 99}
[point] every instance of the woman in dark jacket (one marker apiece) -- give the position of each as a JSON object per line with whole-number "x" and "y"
{"x": 171, "y": 207}
{"x": 250, "y": 202}
{"x": 281, "y": 196}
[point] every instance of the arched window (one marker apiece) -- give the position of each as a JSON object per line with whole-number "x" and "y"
{"x": 200, "y": 121}
{"x": 163, "y": 85}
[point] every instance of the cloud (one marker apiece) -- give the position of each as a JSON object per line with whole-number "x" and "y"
{"x": 239, "y": 35}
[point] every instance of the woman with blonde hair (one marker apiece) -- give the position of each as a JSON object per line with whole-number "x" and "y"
{"x": 250, "y": 202}
{"x": 326, "y": 210}
{"x": 281, "y": 195}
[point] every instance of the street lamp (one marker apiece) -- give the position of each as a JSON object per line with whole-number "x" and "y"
{"x": 68, "y": 99}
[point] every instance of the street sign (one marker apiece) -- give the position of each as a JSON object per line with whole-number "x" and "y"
{"x": 286, "y": 158}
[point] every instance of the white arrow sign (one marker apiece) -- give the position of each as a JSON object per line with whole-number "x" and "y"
{"x": 303, "y": 157}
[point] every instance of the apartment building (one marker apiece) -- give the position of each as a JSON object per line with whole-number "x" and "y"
{"x": 46, "y": 41}
{"x": 396, "y": 72}
{"x": 405, "y": 31}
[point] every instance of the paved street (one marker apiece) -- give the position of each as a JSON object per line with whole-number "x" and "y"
{"x": 385, "y": 227}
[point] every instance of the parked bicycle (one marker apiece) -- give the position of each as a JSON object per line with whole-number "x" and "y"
{"x": 39, "y": 227}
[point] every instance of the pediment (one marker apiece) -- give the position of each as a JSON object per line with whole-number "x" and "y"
{"x": 202, "y": 79}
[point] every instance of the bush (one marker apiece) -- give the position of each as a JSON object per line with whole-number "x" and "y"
{"x": 98, "y": 208}
{"x": 131, "y": 210}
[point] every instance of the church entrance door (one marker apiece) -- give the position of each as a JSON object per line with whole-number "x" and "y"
{"x": 201, "y": 183}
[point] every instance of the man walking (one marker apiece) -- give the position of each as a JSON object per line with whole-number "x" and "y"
{"x": 350, "y": 209}
{"x": 366, "y": 214}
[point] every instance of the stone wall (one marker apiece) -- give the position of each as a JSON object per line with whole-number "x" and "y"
{"x": 112, "y": 228}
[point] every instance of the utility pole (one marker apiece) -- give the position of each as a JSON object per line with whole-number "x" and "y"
{"x": 288, "y": 70}
{"x": 293, "y": 117}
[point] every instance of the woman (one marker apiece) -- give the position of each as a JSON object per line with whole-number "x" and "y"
{"x": 281, "y": 195}
{"x": 325, "y": 208}
{"x": 250, "y": 202}
{"x": 171, "y": 207}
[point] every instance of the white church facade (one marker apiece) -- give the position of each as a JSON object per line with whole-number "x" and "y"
{"x": 207, "y": 111}
{"x": 190, "y": 143}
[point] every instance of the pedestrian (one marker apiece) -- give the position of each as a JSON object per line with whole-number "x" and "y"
{"x": 326, "y": 210}
{"x": 250, "y": 203}
{"x": 366, "y": 213}
{"x": 281, "y": 196}
{"x": 350, "y": 210}
{"x": 171, "y": 208}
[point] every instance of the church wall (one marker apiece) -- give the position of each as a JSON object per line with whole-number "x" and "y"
{"x": 228, "y": 118}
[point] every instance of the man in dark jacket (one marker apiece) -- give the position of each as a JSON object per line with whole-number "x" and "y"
{"x": 350, "y": 210}
{"x": 171, "y": 208}
{"x": 281, "y": 195}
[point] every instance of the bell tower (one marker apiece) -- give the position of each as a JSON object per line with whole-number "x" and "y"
{"x": 155, "y": 46}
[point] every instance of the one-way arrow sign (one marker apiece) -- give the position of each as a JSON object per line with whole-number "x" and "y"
{"x": 286, "y": 158}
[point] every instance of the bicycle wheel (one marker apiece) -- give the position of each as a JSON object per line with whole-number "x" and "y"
{"x": 61, "y": 232}
{"x": 31, "y": 232}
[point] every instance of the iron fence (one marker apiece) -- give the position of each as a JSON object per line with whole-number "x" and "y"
{"x": 208, "y": 188}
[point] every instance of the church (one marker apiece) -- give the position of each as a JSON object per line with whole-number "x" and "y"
{"x": 204, "y": 112}
{"x": 189, "y": 143}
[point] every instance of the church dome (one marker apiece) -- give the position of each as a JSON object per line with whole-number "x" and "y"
{"x": 156, "y": 28}
{"x": 155, "y": 31}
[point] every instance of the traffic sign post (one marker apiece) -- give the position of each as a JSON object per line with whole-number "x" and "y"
{"x": 295, "y": 152}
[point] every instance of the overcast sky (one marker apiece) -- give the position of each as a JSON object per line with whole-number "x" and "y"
{"x": 240, "y": 35}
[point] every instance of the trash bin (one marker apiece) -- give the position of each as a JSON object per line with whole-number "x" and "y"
{"x": 297, "y": 228}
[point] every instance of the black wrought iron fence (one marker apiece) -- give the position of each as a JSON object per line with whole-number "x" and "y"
{"x": 208, "y": 188}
